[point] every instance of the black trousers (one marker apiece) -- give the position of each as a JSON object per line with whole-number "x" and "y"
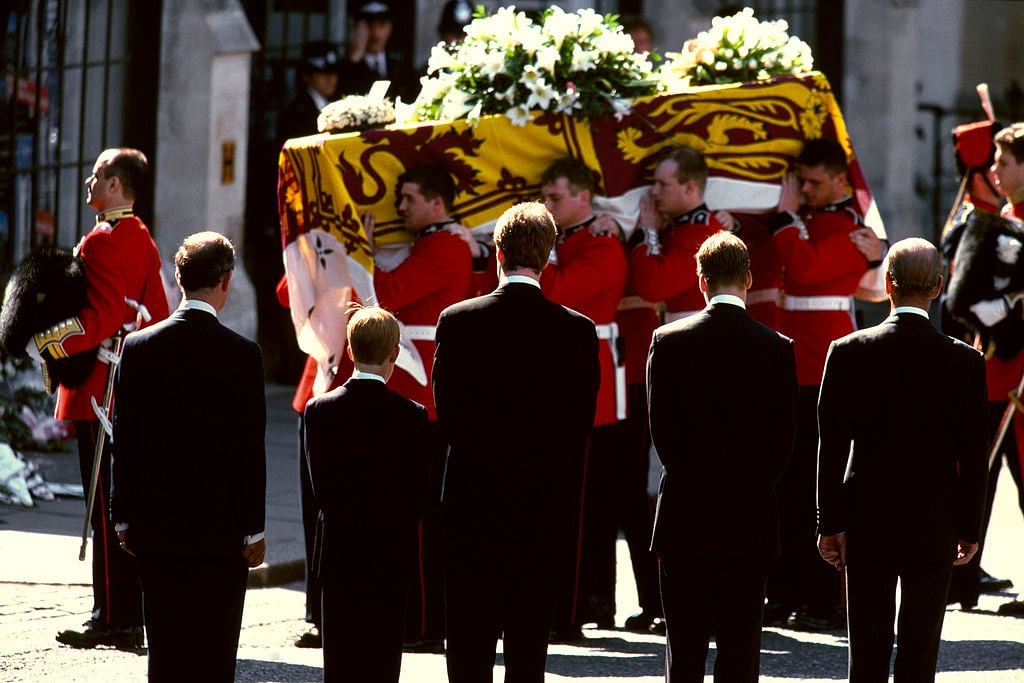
{"x": 211, "y": 594}
{"x": 964, "y": 585}
{"x": 499, "y": 585}
{"x": 117, "y": 596}
{"x": 705, "y": 595}
{"x": 616, "y": 498}
{"x": 309, "y": 510}
{"x": 364, "y": 594}
{"x": 871, "y": 613}
{"x": 425, "y": 606}
{"x": 800, "y": 579}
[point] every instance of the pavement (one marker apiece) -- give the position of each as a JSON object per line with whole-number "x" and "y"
{"x": 41, "y": 544}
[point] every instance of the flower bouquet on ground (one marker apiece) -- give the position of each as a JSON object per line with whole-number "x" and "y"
{"x": 356, "y": 113}
{"x": 736, "y": 49}
{"x": 581, "y": 64}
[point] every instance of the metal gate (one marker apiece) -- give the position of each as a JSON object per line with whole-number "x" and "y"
{"x": 78, "y": 76}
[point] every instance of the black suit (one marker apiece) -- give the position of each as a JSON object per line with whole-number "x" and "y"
{"x": 722, "y": 398}
{"x": 189, "y": 477}
{"x": 356, "y": 78}
{"x": 515, "y": 382}
{"x": 299, "y": 117}
{"x": 368, "y": 456}
{"x": 912, "y": 402}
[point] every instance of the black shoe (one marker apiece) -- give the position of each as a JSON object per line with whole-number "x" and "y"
{"x": 93, "y": 635}
{"x": 1014, "y": 608}
{"x": 568, "y": 634}
{"x": 430, "y": 645}
{"x": 777, "y": 615}
{"x": 804, "y": 621}
{"x": 641, "y": 622}
{"x": 310, "y": 638}
{"x": 989, "y": 584}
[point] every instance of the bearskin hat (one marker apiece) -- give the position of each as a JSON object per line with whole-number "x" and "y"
{"x": 48, "y": 286}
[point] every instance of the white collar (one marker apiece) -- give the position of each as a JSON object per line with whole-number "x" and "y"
{"x": 911, "y": 309}
{"x": 319, "y": 100}
{"x": 359, "y": 374}
{"x": 730, "y": 299}
{"x": 522, "y": 280}
{"x": 197, "y": 305}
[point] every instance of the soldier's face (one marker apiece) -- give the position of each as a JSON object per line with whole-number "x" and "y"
{"x": 1008, "y": 172}
{"x": 820, "y": 187}
{"x": 670, "y": 196}
{"x": 97, "y": 185}
{"x": 417, "y": 211}
{"x": 568, "y": 209}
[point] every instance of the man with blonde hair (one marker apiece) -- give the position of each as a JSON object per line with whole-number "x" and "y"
{"x": 371, "y": 493}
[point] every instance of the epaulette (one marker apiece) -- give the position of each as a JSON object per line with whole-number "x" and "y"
{"x": 105, "y": 226}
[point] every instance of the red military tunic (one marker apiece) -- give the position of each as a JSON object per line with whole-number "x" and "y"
{"x": 435, "y": 275}
{"x": 672, "y": 275}
{"x": 765, "y": 270}
{"x": 818, "y": 264}
{"x": 588, "y": 278}
{"x": 121, "y": 261}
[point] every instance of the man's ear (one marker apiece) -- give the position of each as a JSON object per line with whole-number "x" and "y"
{"x": 394, "y": 353}
{"x": 225, "y": 281}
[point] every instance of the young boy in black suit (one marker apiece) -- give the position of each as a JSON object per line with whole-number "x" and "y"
{"x": 368, "y": 466}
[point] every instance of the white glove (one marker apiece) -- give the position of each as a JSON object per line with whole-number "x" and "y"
{"x": 33, "y": 351}
{"x": 991, "y": 312}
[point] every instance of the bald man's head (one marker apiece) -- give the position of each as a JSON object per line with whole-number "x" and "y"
{"x": 914, "y": 268}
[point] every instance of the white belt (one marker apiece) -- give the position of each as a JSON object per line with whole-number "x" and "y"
{"x": 672, "y": 316}
{"x": 419, "y": 332}
{"x": 628, "y": 303}
{"x": 763, "y": 296}
{"x": 816, "y": 303}
{"x": 610, "y": 331}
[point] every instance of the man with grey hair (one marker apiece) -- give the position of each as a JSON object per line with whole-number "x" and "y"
{"x": 901, "y": 495}
{"x": 189, "y": 394}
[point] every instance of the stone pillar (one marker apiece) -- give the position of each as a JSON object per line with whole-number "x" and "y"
{"x": 202, "y": 137}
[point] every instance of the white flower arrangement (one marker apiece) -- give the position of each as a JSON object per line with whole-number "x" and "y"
{"x": 736, "y": 49}
{"x": 355, "y": 112}
{"x": 579, "y": 63}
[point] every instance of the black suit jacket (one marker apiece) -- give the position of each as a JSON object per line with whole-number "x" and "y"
{"x": 721, "y": 390}
{"x": 515, "y": 383}
{"x": 356, "y": 78}
{"x": 368, "y": 455}
{"x": 188, "y": 442}
{"x": 299, "y": 118}
{"x": 902, "y": 460}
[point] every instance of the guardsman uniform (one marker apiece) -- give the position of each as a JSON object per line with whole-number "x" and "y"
{"x": 125, "y": 291}
{"x": 821, "y": 269}
{"x": 765, "y": 270}
{"x": 435, "y": 275}
{"x": 587, "y": 274}
{"x": 664, "y": 265}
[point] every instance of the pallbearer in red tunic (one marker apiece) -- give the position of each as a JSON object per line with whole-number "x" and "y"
{"x": 586, "y": 273}
{"x": 434, "y": 275}
{"x": 674, "y": 221}
{"x": 822, "y": 268}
